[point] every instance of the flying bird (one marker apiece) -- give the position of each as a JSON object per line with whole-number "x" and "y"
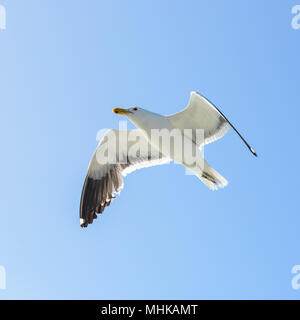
{"x": 104, "y": 180}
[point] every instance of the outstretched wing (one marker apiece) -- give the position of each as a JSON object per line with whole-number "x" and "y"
{"x": 119, "y": 152}
{"x": 201, "y": 114}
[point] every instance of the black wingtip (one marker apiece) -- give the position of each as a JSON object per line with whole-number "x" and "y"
{"x": 83, "y": 223}
{"x": 253, "y": 152}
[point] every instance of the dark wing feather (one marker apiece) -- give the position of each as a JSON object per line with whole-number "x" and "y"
{"x": 105, "y": 181}
{"x": 97, "y": 194}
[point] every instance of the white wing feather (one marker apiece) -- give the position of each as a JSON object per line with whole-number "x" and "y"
{"x": 105, "y": 180}
{"x": 201, "y": 114}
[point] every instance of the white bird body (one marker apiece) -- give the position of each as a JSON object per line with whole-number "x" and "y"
{"x": 104, "y": 180}
{"x": 144, "y": 120}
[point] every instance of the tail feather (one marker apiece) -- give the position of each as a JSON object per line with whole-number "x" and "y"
{"x": 212, "y": 179}
{"x": 209, "y": 176}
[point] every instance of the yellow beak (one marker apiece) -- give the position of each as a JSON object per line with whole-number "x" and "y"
{"x": 121, "y": 111}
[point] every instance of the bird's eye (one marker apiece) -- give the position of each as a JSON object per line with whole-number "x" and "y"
{"x": 134, "y": 109}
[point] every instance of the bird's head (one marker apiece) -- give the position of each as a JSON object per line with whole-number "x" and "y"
{"x": 138, "y": 116}
{"x": 134, "y": 114}
{"x": 127, "y": 112}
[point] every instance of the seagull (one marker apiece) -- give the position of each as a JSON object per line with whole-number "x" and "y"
{"x": 104, "y": 179}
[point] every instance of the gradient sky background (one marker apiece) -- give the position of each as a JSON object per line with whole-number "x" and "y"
{"x": 64, "y": 66}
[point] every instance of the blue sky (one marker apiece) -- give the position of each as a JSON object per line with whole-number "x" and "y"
{"x": 64, "y": 66}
